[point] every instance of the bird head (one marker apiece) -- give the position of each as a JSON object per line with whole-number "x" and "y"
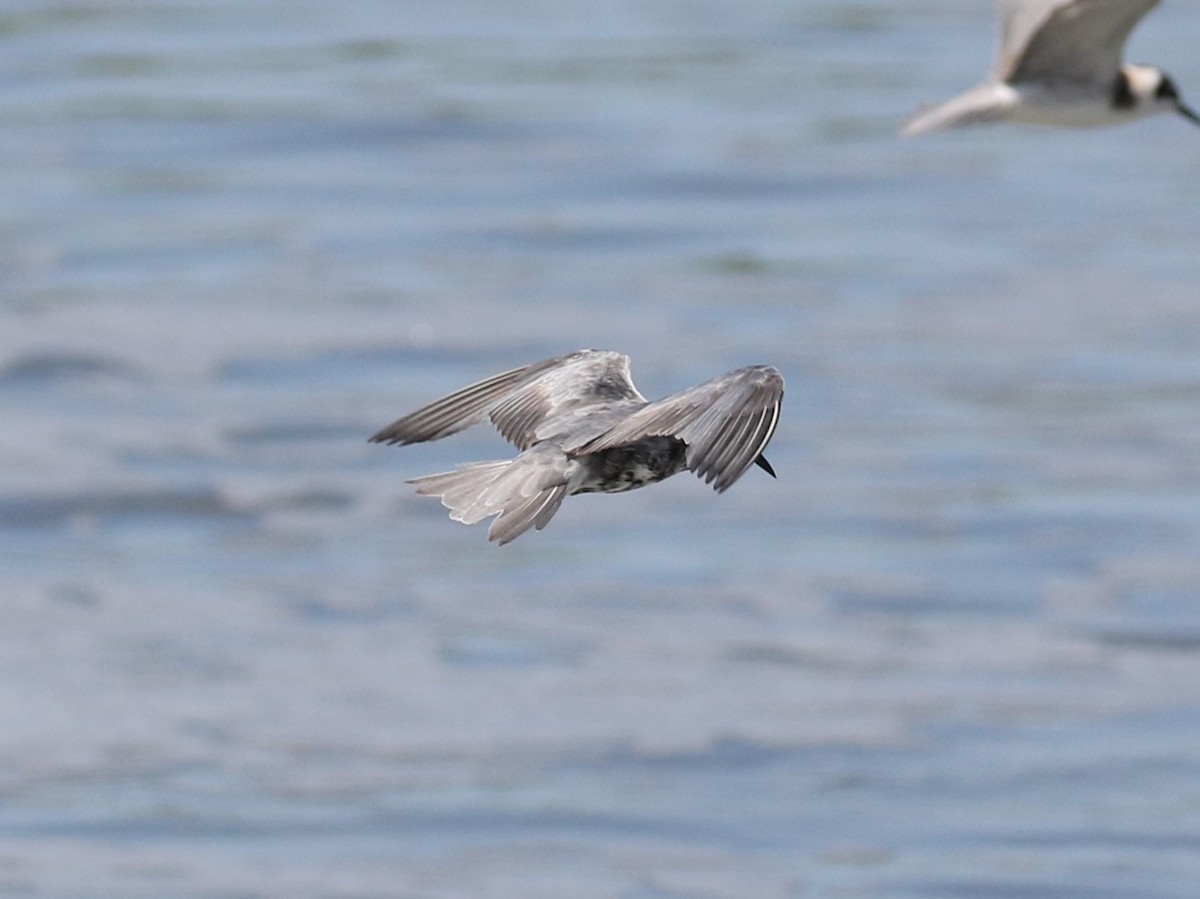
{"x": 1153, "y": 91}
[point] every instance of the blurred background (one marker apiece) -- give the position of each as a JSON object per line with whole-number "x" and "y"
{"x": 954, "y": 650}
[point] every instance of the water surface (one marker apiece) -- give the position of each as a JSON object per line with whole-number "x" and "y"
{"x": 954, "y": 650}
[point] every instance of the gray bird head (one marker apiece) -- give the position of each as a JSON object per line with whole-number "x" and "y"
{"x": 1151, "y": 91}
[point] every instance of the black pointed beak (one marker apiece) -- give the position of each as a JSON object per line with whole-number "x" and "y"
{"x": 762, "y": 463}
{"x": 1187, "y": 112}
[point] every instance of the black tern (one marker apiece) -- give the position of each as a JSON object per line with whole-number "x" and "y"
{"x": 582, "y": 427}
{"x": 1059, "y": 63}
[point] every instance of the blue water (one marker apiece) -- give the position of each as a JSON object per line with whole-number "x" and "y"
{"x": 953, "y": 651}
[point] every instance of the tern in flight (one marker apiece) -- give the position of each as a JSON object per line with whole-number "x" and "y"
{"x": 582, "y": 427}
{"x": 1058, "y": 62}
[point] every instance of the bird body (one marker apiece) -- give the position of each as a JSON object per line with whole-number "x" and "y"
{"x": 1058, "y": 62}
{"x": 582, "y": 427}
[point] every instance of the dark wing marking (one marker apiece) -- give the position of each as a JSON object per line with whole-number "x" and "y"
{"x": 1074, "y": 41}
{"x": 586, "y": 378}
{"x": 726, "y": 423}
{"x": 518, "y": 399}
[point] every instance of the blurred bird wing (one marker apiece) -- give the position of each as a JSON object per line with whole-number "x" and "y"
{"x": 989, "y": 102}
{"x": 1065, "y": 40}
{"x": 726, "y": 423}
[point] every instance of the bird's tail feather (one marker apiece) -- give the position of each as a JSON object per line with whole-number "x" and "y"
{"x": 524, "y": 492}
{"x": 461, "y": 489}
{"x": 536, "y": 511}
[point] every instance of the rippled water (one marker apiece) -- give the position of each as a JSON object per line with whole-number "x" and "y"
{"x": 954, "y": 650}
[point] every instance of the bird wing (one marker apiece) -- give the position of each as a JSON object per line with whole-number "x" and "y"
{"x": 518, "y": 399}
{"x": 726, "y": 423}
{"x": 988, "y": 102}
{"x": 1018, "y": 22}
{"x": 585, "y": 378}
{"x": 1065, "y": 40}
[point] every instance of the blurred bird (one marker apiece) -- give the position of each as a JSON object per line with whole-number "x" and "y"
{"x": 582, "y": 427}
{"x": 1058, "y": 62}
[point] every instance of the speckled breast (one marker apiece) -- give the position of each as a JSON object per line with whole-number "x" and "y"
{"x": 629, "y": 467}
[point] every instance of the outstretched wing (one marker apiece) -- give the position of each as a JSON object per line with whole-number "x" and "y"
{"x": 519, "y": 399}
{"x": 585, "y": 378}
{"x": 726, "y": 423}
{"x": 1065, "y": 40}
{"x": 1018, "y": 23}
{"x": 988, "y": 102}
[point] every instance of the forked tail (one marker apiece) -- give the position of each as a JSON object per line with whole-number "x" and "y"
{"x": 524, "y": 492}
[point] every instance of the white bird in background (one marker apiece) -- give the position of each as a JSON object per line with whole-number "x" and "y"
{"x": 1058, "y": 62}
{"x": 582, "y": 427}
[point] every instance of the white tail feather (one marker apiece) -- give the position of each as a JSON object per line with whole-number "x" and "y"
{"x": 533, "y": 512}
{"x": 525, "y": 492}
